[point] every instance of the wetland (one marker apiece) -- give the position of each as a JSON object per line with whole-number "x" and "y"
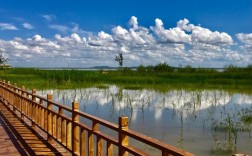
{"x": 204, "y": 111}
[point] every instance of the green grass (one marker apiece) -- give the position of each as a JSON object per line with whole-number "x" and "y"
{"x": 161, "y": 80}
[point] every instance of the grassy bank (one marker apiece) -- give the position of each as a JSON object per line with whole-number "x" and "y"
{"x": 143, "y": 77}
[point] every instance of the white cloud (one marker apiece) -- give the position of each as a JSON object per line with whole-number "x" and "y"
{"x": 18, "y": 45}
{"x": 105, "y": 36}
{"x": 27, "y": 26}
{"x": 65, "y": 29}
{"x": 183, "y": 24}
{"x": 76, "y": 38}
{"x": 246, "y": 39}
{"x": 175, "y": 35}
{"x": 183, "y": 44}
{"x": 134, "y": 36}
{"x": 133, "y": 22}
{"x": 49, "y": 17}
{"x": 77, "y": 30}
{"x": 60, "y": 28}
{"x": 36, "y": 38}
{"x": 191, "y": 34}
{"x": 121, "y": 33}
{"x": 124, "y": 49}
{"x": 7, "y": 26}
{"x": 204, "y": 35}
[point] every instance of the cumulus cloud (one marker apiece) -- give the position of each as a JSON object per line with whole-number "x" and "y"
{"x": 18, "y": 46}
{"x": 27, "y": 26}
{"x": 189, "y": 33}
{"x": 133, "y": 22}
{"x": 204, "y": 35}
{"x": 246, "y": 39}
{"x": 7, "y": 26}
{"x": 184, "y": 44}
{"x": 105, "y": 36}
{"x": 207, "y": 36}
{"x": 175, "y": 35}
{"x": 135, "y": 36}
{"x": 73, "y": 38}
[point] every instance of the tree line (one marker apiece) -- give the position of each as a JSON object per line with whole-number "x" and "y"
{"x": 166, "y": 68}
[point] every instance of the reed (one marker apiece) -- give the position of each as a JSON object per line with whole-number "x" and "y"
{"x": 150, "y": 77}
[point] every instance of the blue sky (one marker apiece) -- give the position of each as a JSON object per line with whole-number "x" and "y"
{"x": 53, "y": 33}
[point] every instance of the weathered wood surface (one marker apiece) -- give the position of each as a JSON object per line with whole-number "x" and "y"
{"x": 18, "y": 138}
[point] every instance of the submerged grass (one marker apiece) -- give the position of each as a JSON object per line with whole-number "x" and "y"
{"x": 127, "y": 78}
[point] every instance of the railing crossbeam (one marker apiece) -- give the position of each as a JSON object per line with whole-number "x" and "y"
{"x": 77, "y": 137}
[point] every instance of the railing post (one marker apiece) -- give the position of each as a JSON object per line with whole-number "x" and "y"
{"x": 165, "y": 153}
{"x": 123, "y": 138}
{"x": 8, "y": 95}
{"x": 41, "y": 116}
{"x": 68, "y": 135}
{"x": 75, "y": 128}
{"x": 20, "y": 100}
{"x": 49, "y": 117}
{"x": 4, "y": 94}
{"x": 83, "y": 143}
{"x": 59, "y": 124}
{"x": 109, "y": 148}
{"x": 34, "y": 112}
{"x": 54, "y": 125}
{"x": 1, "y": 89}
{"x": 63, "y": 132}
{"x": 98, "y": 140}
{"x": 91, "y": 139}
{"x": 15, "y": 101}
{"x": 38, "y": 114}
{"x": 23, "y": 105}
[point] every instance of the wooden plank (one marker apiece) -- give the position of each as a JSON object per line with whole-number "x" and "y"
{"x": 99, "y": 146}
{"x": 109, "y": 149}
{"x": 90, "y": 144}
{"x": 24, "y": 139}
{"x": 68, "y": 135}
{"x": 66, "y": 130}
{"x": 83, "y": 143}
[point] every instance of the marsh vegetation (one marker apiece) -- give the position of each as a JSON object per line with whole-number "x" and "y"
{"x": 158, "y": 77}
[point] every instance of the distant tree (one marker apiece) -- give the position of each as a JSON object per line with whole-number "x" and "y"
{"x": 249, "y": 66}
{"x": 119, "y": 59}
{"x": 3, "y": 59}
{"x": 163, "y": 67}
{"x": 141, "y": 69}
{"x": 150, "y": 68}
{"x": 231, "y": 68}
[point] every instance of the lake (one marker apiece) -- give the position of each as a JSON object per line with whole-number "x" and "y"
{"x": 203, "y": 122}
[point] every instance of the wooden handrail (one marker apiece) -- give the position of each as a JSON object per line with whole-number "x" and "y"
{"x": 74, "y": 135}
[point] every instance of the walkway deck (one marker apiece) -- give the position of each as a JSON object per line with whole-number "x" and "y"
{"x": 35, "y": 125}
{"x": 18, "y": 138}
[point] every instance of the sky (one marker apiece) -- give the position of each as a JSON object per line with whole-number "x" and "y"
{"x": 82, "y": 33}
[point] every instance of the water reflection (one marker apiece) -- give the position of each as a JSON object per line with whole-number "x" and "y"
{"x": 202, "y": 122}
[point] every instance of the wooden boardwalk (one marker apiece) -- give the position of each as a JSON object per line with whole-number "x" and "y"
{"x": 19, "y": 138}
{"x": 35, "y": 125}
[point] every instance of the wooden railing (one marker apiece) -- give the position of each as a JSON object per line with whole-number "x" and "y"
{"x": 63, "y": 124}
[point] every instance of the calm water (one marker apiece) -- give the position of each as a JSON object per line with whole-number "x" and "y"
{"x": 202, "y": 122}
